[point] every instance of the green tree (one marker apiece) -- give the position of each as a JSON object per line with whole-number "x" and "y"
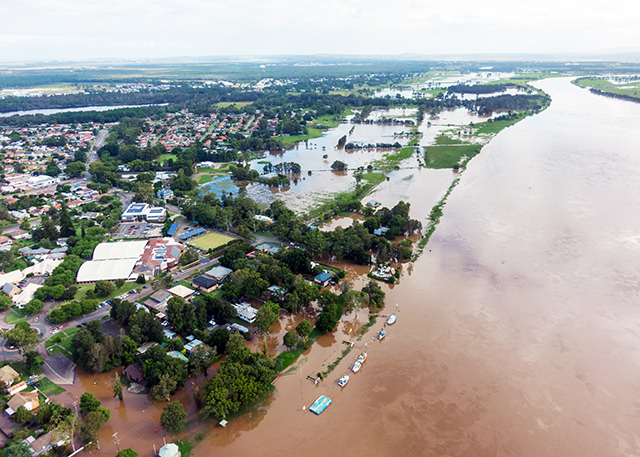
{"x": 104, "y": 288}
{"x": 119, "y": 283}
{"x": 88, "y": 402}
{"x": 290, "y": 339}
{"x": 165, "y": 387}
{"x": 117, "y": 388}
{"x": 17, "y": 448}
{"x": 267, "y": 316}
{"x": 236, "y": 341}
{"x": 22, "y": 416}
{"x": 33, "y": 361}
{"x": 75, "y": 169}
{"x": 5, "y": 302}
{"x": 173, "y": 417}
{"x": 92, "y": 424}
{"x": 304, "y": 328}
{"x": 22, "y": 336}
{"x": 127, "y": 453}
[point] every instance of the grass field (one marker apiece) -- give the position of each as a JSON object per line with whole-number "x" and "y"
{"x": 447, "y": 156}
{"x": 165, "y": 157}
{"x": 205, "y": 178}
{"x": 64, "y": 345}
{"x": 238, "y": 104}
{"x": 210, "y": 241}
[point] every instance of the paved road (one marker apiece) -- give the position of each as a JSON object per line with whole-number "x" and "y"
{"x": 93, "y": 152}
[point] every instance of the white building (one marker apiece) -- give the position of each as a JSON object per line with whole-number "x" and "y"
{"x": 135, "y": 211}
{"x": 156, "y": 214}
{"x": 41, "y": 181}
{"x": 246, "y": 312}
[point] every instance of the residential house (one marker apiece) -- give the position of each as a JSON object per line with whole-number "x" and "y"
{"x": 165, "y": 194}
{"x": 8, "y": 375}
{"x": 134, "y": 373}
{"x": 29, "y": 400}
{"x": 5, "y": 243}
{"x": 158, "y": 301}
{"x": 323, "y": 279}
{"x": 183, "y": 292}
{"x": 246, "y": 312}
{"x": 204, "y": 284}
{"x": 219, "y": 273}
{"x": 11, "y": 290}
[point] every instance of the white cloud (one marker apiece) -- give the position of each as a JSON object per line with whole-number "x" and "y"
{"x": 45, "y": 29}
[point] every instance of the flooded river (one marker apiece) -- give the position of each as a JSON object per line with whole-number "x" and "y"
{"x": 518, "y": 329}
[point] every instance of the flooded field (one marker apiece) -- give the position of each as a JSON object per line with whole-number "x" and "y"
{"x": 518, "y": 329}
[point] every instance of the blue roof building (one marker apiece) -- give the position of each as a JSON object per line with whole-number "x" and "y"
{"x": 172, "y": 229}
{"x": 323, "y": 278}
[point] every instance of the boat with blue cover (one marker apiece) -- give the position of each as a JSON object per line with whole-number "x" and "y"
{"x": 320, "y": 404}
{"x": 391, "y": 320}
{"x": 343, "y": 381}
{"x": 382, "y": 334}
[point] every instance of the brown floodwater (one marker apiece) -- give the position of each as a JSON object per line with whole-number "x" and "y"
{"x": 518, "y": 329}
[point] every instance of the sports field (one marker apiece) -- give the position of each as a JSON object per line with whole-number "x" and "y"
{"x": 210, "y": 241}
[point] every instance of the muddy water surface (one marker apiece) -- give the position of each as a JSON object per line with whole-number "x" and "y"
{"x": 518, "y": 329}
{"x": 518, "y": 333}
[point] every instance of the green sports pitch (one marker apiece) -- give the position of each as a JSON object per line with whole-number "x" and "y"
{"x": 210, "y": 241}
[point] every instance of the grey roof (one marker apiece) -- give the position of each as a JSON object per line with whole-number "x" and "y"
{"x": 29, "y": 251}
{"x": 204, "y": 281}
{"x": 219, "y": 272}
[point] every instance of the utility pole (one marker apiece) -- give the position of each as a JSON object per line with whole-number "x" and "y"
{"x": 115, "y": 437}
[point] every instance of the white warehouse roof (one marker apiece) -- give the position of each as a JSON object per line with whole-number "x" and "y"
{"x": 119, "y": 250}
{"x": 107, "y": 270}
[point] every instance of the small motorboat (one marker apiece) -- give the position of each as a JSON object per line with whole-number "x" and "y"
{"x": 382, "y": 334}
{"x": 362, "y": 357}
{"x": 391, "y": 320}
{"x": 343, "y": 381}
{"x": 356, "y": 367}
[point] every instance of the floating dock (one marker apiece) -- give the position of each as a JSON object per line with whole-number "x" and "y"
{"x": 320, "y": 404}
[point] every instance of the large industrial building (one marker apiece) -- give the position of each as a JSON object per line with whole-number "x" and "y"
{"x": 112, "y": 261}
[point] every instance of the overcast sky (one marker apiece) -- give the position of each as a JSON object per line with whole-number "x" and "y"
{"x": 73, "y": 29}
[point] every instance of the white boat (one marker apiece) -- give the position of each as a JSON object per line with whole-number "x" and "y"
{"x": 356, "y": 367}
{"x": 343, "y": 381}
{"x": 391, "y": 320}
{"x": 382, "y": 334}
{"x": 362, "y": 357}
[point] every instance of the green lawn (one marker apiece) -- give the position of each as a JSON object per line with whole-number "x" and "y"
{"x": 65, "y": 344}
{"x": 128, "y": 286}
{"x": 312, "y": 133}
{"x": 373, "y": 178}
{"x": 14, "y": 315}
{"x": 210, "y": 241}
{"x": 49, "y": 388}
{"x": 165, "y": 157}
{"x": 496, "y": 126}
{"x": 205, "y": 178}
{"x": 238, "y": 104}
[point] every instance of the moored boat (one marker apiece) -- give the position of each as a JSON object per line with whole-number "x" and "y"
{"x": 356, "y": 367}
{"x": 343, "y": 381}
{"x": 391, "y": 320}
{"x": 320, "y": 404}
{"x": 362, "y": 357}
{"x": 382, "y": 334}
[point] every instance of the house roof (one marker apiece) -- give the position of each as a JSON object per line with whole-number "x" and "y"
{"x": 22, "y": 398}
{"x": 204, "y": 281}
{"x": 8, "y": 374}
{"x": 322, "y": 277}
{"x": 219, "y": 272}
{"x": 134, "y": 371}
{"x": 181, "y": 291}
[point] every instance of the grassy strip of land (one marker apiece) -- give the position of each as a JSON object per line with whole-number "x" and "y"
{"x": 601, "y": 85}
{"x": 448, "y": 156}
{"x": 393, "y": 159}
{"x": 14, "y": 315}
{"x": 434, "y": 219}
{"x": 227, "y": 104}
{"x": 311, "y": 133}
{"x": 496, "y": 126}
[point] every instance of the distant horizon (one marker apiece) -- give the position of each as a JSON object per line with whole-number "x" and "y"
{"x": 612, "y": 55}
